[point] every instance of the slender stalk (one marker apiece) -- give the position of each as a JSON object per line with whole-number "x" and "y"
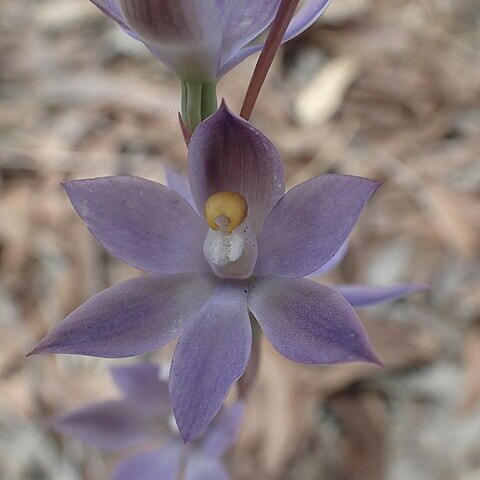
{"x": 194, "y": 105}
{"x": 183, "y": 463}
{"x": 209, "y": 100}
{"x": 199, "y": 101}
{"x": 184, "y": 101}
{"x": 274, "y": 39}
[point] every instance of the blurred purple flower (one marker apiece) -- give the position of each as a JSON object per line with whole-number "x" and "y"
{"x": 260, "y": 243}
{"x": 366, "y": 295}
{"x": 141, "y": 420}
{"x": 203, "y": 39}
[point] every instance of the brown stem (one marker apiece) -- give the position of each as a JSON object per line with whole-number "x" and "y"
{"x": 274, "y": 39}
{"x": 183, "y": 463}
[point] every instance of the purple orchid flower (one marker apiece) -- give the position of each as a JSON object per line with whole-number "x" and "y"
{"x": 141, "y": 419}
{"x": 246, "y": 253}
{"x": 203, "y": 39}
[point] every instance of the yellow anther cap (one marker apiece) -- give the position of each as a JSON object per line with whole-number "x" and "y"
{"x": 229, "y": 205}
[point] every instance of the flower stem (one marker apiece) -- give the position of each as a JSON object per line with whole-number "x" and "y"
{"x": 275, "y": 36}
{"x": 194, "y": 105}
{"x": 199, "y": 101}
{"x": 209, "y": 100}
{"x": 183, "y": 463}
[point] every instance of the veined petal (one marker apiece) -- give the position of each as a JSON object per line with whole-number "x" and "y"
{"x": 308, "y": 322}
{"x": 159, "y": 464}
{"x": 226, "y": 153}
{"x": 202, "y": 467}
{"x": 112, "y": 9}
{"x": 224, "y": 429}
{"x": 141, "y": 385}
{"x": 113, "y": 425}
{"x": 334, "y": 262}
{"x": 307, "y": 227}
{"x": 304, "y": 18}
{"x": 186, "y": 34}
{"x": 142, "y": 223}
{"x": 365, "y": 295}
{"x": 179, "y": 184}
{"x": 212, "y": 354}
{"x": 242, "y": 21}
{"x": 134, "y": 317}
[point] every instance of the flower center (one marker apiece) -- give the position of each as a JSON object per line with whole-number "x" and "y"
{"x": 230, "y": 247}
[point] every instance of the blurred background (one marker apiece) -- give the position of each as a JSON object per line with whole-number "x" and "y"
{"x": 387, "y": 89}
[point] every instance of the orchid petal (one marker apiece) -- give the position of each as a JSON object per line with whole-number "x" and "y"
{"x": 308, "y": 322}
{"x": 140, "y": 385}
{"x": 226, "y": 153}
{"x": 243, "y": 21}
{"x": 112, "y": 10}
{"x": 113, "y": 425}
{"x": 365, "y": 295}
{"x": 185, "y": 34}
{"x": 306, "y": 16}
{"x": 307, "y": 227}
{"x": 201, "y": 467}
{"x": 161, "y": 464}
{"x": 142, "y": 223}
{"x": 179, "y": 184}
{"x": 239, "y": 57}
{"x": 333, "y": 263}
{"x": 212, "y": 354}
{"x": 224, "y": 429}
{"x": 134, "y": 317}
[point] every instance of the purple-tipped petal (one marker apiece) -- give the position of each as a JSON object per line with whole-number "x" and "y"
{"x": 307, "y": 227}
{"x": 113, "y": 425}
{"x": 162, "y": 464}
{"x": 304, "y": 18}
{"x": 212, "y": 354}
{"x": 223, "y": 431}
{"x": 185, "y": 34}
{"x": 141, "y": 386}
{"x": 179, "y": 184}
{"x": 201, "y": 467}
{"x": 135, "y": 317}
{"x": 112, "y": 9}
{"x": 243, "y": 21}
{"x": 308, "y": 322}
{"x": 365, "y": 295}
{"x": 334, "y": 262}
{"x": 226, "y": 153}
{"x": 142, "y": 223}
